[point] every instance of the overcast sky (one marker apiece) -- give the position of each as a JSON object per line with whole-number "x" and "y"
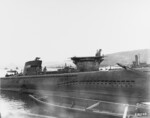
{"x": 57, "y": 29}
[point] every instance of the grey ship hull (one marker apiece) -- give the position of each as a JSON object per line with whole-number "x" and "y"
{"x": 126, "y": 86}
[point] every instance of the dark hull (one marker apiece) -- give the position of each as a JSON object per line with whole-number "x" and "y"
{"x": 124, "y": 86}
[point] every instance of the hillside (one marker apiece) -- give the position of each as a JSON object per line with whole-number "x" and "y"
{"x": 126, "y": 57}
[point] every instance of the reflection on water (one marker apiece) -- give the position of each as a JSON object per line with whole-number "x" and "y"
{"x": 17, "y": 105}
{"x": 9, "y": 105}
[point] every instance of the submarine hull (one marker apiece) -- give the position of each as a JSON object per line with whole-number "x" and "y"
{"x": 125, "y": 86}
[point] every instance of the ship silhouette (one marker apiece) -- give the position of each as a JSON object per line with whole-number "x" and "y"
{"x": 126, "y": 85}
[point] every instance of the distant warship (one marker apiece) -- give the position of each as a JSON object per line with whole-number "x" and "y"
{"x": 136, "y": 64}
{"x": 124, "y": 85}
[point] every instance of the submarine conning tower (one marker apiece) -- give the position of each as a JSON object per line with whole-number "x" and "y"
{"x": 91, "y": 63}
{"x": 33, "y": 67}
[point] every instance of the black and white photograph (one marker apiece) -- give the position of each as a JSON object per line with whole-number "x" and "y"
{"x": 74, "y": 58}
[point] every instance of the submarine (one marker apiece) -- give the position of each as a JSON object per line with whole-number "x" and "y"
{"x": 86, "y": 81}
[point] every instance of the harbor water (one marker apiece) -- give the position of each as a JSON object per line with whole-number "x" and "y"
{"x": 20, "y": 105}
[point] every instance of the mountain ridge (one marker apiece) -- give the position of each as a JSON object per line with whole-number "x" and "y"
{"x": 126, "y": 57}
{"x": 123, "y": 57}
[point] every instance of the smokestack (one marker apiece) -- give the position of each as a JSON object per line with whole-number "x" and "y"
{"x": 136, "y": 60}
